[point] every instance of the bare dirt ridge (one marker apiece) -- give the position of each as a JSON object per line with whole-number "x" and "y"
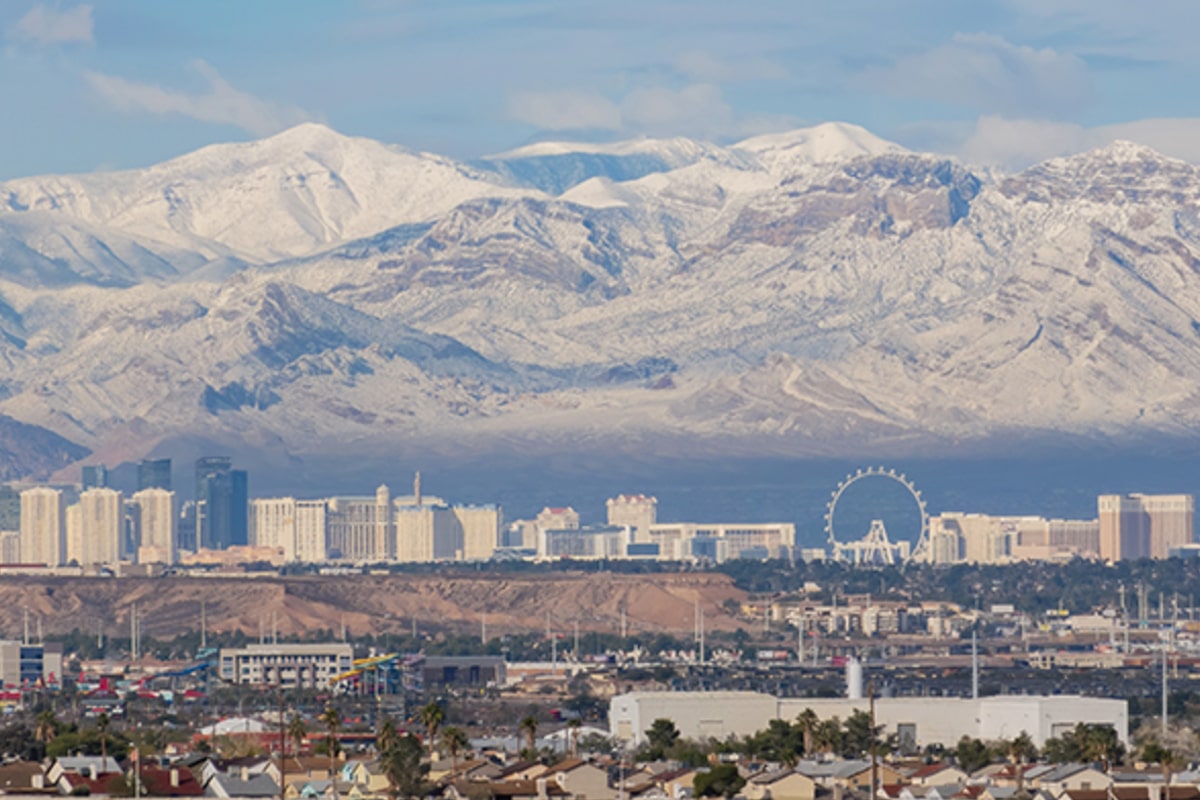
{"x": 376, "y": 604}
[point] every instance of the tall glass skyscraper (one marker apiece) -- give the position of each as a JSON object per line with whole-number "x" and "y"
{"x": 95, "y": 476}
{"x": 221, "y": 499}
{"x": 154, "y": 473}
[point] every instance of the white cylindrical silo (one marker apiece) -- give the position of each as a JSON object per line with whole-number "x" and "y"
{"x": 854, "y": 679}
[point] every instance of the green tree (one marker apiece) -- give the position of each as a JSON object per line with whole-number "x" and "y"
{"x": 432, "y": 716}
{"x": 860, "y": 736}
{"x": 47, "y": 728}
{"x": 529, "y": 726}
{"x": 1155, "y": 753}
{"x": 828, "y": 736}
{"x": 454, "y": 741}
{"x": 807, "y": 723}
{"x": 102, "y": 723}
{"x": 332, "y": 721}
{"x": 296, "y": 731}
{"x": 405, "y": 772}
{"x": 660, "y": 737}
{"x": 722, "y": 780}
{"x": 386, "y": 736}
{"x": 972, "y": 754}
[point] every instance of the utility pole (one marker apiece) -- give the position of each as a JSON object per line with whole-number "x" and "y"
{"x": 203, "y": 625}
{"x": 874, "y": 750}
{"x": 282, "y": 741}
{"x": 483, "y": 628}
{"x": 1164, "y": 693}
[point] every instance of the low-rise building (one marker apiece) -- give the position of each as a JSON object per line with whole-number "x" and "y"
{"x": 286, "y": 665}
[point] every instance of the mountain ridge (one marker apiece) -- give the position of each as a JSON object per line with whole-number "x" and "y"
{"x": 806, "y": 291}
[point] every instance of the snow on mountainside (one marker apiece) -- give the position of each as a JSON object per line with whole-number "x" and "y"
{"x": 811, "y": 291}
{"x": 301, "y": 190}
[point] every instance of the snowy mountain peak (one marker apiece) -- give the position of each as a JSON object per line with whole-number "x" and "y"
{"x": 830, "y": 141}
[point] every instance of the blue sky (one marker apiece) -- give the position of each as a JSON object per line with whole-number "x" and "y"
{"x": 125, "y": 83}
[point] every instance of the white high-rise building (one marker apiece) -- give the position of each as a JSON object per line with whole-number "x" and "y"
{"x": 158, "y": 526}
{"x": 312, "y": 531}
{"x": 426, "y": 533}
{"x": 102, "y": 525}
{"x": 43, "y": 527}
{"x": 361, "y": 528}
{"x": 297, "y": 527}
{"x": 480, "y": 526}
{"x": 637, "y": 511}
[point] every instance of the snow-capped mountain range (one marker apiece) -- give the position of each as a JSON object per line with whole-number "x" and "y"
{"x": 815, "y": 291}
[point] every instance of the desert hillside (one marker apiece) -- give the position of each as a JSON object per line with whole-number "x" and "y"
{"x": 370, "y": 603}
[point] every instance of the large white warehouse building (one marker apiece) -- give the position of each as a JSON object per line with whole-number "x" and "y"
{"x": 917, "y": 721}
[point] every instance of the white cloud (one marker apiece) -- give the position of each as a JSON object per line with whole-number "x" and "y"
{"x": 989, "y": 73}
{"x": 702, "y": 66}
{"x": 565, "y": 111}
{"x": 220, "y": 103}
{"x": 698, "y": 110}
{"x": 45, "y": 25}
{"x": 1017, "y": 143}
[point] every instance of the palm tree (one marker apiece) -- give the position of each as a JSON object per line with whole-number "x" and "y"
{"x": 102, "y": 726}
{"x": 573, "y": 726}
{"x": 385, "y": 737}
{"x": 1155, "y": 752}
{"x": 808, "y": 722}
{"x": 453, "y": 740}
{"x": 332, "y": 721}
{"x": 432, "y": 716}
{"x": 296, "y": 731}
{"x": 47, "y": 728}
{"x": 1020, "y": 750}
{"x": 529, "y": 727}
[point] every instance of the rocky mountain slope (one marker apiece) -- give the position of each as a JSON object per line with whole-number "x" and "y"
{"x": 814, "y": 291}
{"x": 375, "y": 604}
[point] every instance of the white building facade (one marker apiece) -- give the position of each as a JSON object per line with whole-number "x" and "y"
{"x": 917, "y": 721}
{"x": 43, "y": 527}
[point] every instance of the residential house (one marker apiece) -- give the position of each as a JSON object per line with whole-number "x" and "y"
{"x": 1147, "y": 792}
{"x": 937, "y": 774}
{"x": 168, "y": 782}
{"x": 575, "y": 776}
{"x": 780, "y": 784}
{"x": 25, "y": 777}
{"x": 241, "y": 785}
{"x": 1064, "y": 777}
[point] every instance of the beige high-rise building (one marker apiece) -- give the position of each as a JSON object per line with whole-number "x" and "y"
{"x": 273, "y": 524}
{"x": 480, "y": 530}
{"x": 361, "y": 528}
{"x": 157, "y": 527}
{"x": 635, "y": 511}
{"x": 43, "y": 527}
{"x": 1144, "y": 525}
{"x": 426, "y": 533}
{"x": 75, "y": 554}
{"x": 102, "y": 525}
{"x": 312, "y": 531}
{"x": 10, "y": 547}
{"x": 299, "y": 528}
{"x": 557, "y": 519}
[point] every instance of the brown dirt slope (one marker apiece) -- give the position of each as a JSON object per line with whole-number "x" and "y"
{"x": 371, "y": 603}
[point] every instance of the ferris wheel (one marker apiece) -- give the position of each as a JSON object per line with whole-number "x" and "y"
{"x": 875, "y": 547}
